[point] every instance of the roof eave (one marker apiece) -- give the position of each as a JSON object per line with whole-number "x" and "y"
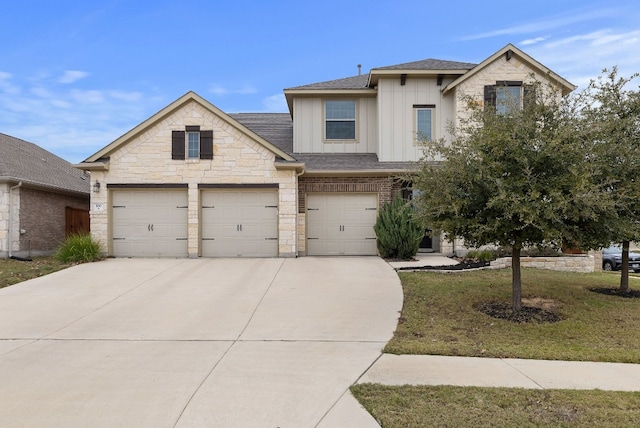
{"x": 355, "y": 172}
{"x": 284, "y": 166}
{"x": 44, "y": 186}
{"x": 170, "y": 109}
{"x": 375, "y": 75}
{"x": 99, "y": 165}
{"x": 565, "y": 85}
{"x": 289, "y": 94}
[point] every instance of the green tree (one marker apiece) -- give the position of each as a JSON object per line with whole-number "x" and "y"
{"x": 516, "y": 177}
{"x": 397, "y": 229}
{"x": 610, "y": 118}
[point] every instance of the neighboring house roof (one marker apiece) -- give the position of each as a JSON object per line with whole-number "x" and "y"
{"x": 21, "y": 161}
{"x": 96, "y": 161}
{"x": 511, "y": 50}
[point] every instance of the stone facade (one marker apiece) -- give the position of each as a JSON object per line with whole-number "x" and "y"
{"x": 570, "y": 263}
{"x": 237, "y": 159}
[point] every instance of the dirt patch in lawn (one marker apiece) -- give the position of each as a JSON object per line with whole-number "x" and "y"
{"x": 534, "y": 310}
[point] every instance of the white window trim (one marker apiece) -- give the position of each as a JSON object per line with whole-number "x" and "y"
{"x": 430, "y": 107}
{"x": 354, "y": 120}
{"x": 187, "y": 151}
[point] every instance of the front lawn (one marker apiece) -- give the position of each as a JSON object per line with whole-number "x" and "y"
{"x": 14, "y": 271}
{"x": 459, "y": 407}
{"x": 441, "y": 317}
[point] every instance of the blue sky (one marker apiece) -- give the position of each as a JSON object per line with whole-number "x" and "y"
{"x": 75, "y": 75}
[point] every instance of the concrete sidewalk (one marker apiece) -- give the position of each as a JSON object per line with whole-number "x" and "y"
{"x": 496, "y": 372}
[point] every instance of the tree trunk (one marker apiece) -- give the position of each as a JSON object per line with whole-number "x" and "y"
{"x": 624, "y": 273}
{"x": 516, "y": 278}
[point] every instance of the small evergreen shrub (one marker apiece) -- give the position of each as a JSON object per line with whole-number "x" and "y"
{"x": 398, "y": 231}
{"x": 481, "y": 255}
{"x": 79, "y": 248}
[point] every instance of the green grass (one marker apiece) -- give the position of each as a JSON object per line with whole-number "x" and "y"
{"x": 449, "y": 406}
{"x": 14, "y": 271}
{"x": 439, "y": 317}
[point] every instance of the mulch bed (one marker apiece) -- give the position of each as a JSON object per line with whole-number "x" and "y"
{"x": 631, "y": 294}
{"x": 528, "y": 314}
{"x": 460, "y": 266}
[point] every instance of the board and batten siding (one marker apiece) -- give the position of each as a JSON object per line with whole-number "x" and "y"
{"x": 308, "y": 127}
{"x": 396, "y": 121}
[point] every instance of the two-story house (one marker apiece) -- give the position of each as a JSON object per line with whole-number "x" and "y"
{"x": 193, "y": 181}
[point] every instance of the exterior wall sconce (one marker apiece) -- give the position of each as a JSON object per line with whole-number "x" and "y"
{"x": 96, "y": 187}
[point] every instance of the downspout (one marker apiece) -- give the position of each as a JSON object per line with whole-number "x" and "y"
{"x": 11, "y": 189}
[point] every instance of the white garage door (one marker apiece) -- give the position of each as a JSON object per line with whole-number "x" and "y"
{"x": 341, "y": 224}
{"x": 149, "y": 223}
{"x": 239, "y": 222}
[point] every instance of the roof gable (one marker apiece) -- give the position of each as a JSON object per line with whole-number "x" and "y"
{"x": 33, "y": 165}
{"x": 168, "y": 110}
{"x": 510, "y": 50}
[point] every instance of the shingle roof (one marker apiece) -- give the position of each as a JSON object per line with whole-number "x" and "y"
{"x": 277, "y": 128}
{"x": 430, "y": 64}
{"x": 354, "y": 82}
{"x": 26, "y": 162}
{"x": 349, "y": 161}
{"x": 360, "y": 81}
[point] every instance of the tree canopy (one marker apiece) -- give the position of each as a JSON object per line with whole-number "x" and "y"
{"x": 609, "y": 114}
{"x": 516, "y": 176}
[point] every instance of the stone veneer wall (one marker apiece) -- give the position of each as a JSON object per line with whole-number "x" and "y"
{"x": 570, "y": 263}
{"x": 237, "y": 159}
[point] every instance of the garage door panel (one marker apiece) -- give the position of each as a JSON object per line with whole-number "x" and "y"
{"x": 149, "y": 223}
{"x": 239, "y": 223}
{"x": 341, "y": 224}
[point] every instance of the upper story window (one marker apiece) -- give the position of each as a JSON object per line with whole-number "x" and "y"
{"x": 424, "y": 121}
{"x": 506, "y": 95}
{"x": 192, "y": 143}
{"x": 340, "y": 120}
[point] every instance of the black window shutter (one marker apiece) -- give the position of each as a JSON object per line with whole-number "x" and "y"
{"x": 529, "y": 94}
{"x": 206, "y": 144}
{"x": 177, "y": 145}
{"x": 489, "y": 96}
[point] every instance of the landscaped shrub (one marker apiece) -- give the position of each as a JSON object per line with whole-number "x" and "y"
{"x": 481, "y": 255}
{"x": 79, "y": 248}
{"x": 398, "y": 231}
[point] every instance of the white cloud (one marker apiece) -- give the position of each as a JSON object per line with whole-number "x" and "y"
{"x": 533, "y": 41}
{"x": 71, "y": 76}
{"x": 221, "y": 90}
{"x": 275, "y": 103}
{"x": 41, "y": 92}
{"x": 6, "y": 84}
{"x": 581, "y": 57}
{"x": 546, "y": 24}
{"x": 126, "y": 96}
{"x": 90, "y": 96}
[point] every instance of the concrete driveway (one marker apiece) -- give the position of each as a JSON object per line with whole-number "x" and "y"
{"x": 195, "y": 343}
